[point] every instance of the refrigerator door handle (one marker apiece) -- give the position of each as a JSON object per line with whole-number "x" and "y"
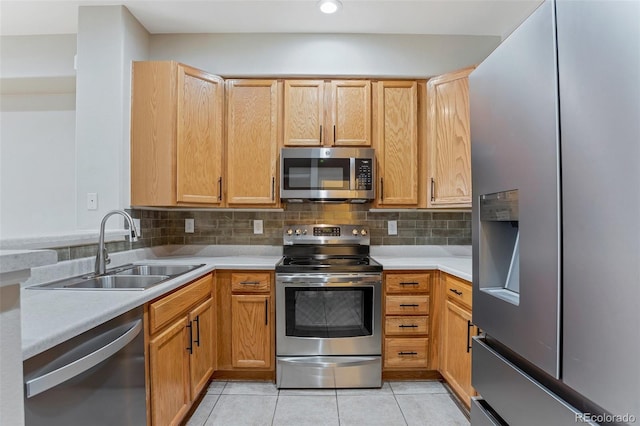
{"x": 60, "y": 375}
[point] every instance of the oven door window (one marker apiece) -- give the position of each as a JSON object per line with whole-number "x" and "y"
{"x": 316, "y": 173}
{"x": 329, "y": 312}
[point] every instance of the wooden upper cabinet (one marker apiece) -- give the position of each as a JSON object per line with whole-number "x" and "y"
{"x": 350, "y": 113}
{"x": 252, "y": 142}
{"x": 449, "y": 143}
{"x": 396, "y": 142}
{"x": 303, "y": 112}
{"x": 327, "y": 113}
{"x": 176, "y": 135}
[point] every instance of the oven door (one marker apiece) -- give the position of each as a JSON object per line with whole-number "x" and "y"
{"x": 328, "y": 314}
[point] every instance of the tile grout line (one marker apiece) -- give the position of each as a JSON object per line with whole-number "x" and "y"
{"x": 275, "y": 408}
{"x": 214, "y": 405}
{"x": 399, "y": 407}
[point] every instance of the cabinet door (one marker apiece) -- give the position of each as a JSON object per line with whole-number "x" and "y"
{"x": 169, "y": 372}
{"x": 199, "y": 137}
{"x": 456, "y": 357}
{"x": 252, "y": 142}
{"x": 303, "y": 112}
{"x": 397, "y": 142}
{"x": 350, "y": 113}
{"x": 449, "y": 140}
{"x": 250, "y": 331}
{"x": 201, "y": 361}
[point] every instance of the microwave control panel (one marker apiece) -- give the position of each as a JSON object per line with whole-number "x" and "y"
{"x": 364, "y": 173}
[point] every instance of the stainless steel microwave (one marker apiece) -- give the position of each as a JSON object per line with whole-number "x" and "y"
{"x": 327, "y": 175}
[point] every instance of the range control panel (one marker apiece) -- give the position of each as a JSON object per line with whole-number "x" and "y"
{"x": 326, "y": 234}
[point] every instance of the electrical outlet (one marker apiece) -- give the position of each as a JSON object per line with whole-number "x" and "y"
{"x": 92, "y": 201}
{"x": 189, "y": 226}
{"x": 258, "y": 227}
{"x": 392, "y": 227}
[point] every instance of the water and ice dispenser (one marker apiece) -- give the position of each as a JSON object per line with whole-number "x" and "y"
{"x": 499, "y": 246}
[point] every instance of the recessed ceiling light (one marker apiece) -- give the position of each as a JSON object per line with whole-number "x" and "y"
{"x": 329, "y": 6}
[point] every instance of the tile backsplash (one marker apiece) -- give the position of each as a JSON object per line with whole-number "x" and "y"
{"x": 235, "y": 227}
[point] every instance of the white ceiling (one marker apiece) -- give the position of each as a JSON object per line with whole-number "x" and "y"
{"x": 444, "y": 17}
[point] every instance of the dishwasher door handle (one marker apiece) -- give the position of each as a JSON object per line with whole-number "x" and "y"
{"x": 75, "y": 368}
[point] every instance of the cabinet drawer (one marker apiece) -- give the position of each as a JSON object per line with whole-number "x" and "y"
{"x": 401, "y": 326}
{"x": 459, "y": 290}
{"x": 407, "y": 283}
{"x": 407, "y": 305}
{"x": 168, "y": 308}
{"x": 250, "y": 282}
{"x": 406, "y": 353}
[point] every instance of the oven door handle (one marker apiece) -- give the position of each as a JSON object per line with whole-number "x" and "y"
{"x": 304, "y": 280}
{"x": 327, "y": 361}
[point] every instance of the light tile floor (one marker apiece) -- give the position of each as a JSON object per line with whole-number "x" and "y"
{"x": 261, "y": 403}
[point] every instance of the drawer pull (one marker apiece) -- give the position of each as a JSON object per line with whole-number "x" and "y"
{"x": 407, "y": 353}
{"x": 453, "y": 290}
{"x": 408, "y": 326}
{"x": 410, "y": 283}
{"x": 250, "y": 282}
{"x": 409, "y": 305}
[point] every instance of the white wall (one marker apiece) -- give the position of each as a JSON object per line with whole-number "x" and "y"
{"x": 109, "y": 38}
{"x": 377, "y": 55}
{"x": 37, "y": 165}
{"x": 37, "y": 136}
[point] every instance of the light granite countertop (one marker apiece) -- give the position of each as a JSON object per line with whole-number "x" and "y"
{"x": 50, "y": 317}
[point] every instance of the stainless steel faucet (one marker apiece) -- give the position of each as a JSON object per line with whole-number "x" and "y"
{"x": 102, "y": 258}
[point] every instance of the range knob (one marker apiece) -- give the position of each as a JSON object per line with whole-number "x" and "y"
{"x": 363, "y": 232}
{"x": 298, "y": 231}
{"x": 354, "y": 232}
{"x": 289, "y": 231}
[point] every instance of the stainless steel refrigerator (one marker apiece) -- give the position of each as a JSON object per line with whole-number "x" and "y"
{"x": 555, "y": 142}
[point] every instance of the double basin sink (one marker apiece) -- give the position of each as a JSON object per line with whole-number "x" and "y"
{"x": 128, "y": 277}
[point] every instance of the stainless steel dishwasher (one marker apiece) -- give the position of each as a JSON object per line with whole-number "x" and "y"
{"x": 96, "y": 378}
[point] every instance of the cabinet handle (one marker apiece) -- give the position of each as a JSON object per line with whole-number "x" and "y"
{"x": 433, "y": 189}
{"x": 407, "y": 353}
{"x": 266, "y": 311}
{"x": 410, "y": 283}
{"x": 220, "y": 188}
{"x": 409, "y": 305}
{"x": 273, "y": 188}
{"x": 190, "y": 348}
{"x": 334, "y": 134}
{"x": 249, "y": 282}
{"x": 381, "y": 189}
{"x": 197, "y": 321}
{"x": 321, "y": 134}
{"x": 453, "y": 290}
{"x": 408, "y": 326}
{"x": 469, "y": 325}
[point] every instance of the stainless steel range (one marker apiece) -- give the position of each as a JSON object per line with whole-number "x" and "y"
{"x": 328, "y": 309}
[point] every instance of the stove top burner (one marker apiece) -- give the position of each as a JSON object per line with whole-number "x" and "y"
{"x": 310, "y": 261}
{"x": 328, "y": 264}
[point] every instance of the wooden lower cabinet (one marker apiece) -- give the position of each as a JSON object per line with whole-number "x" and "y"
{"x": 181, "y": 350}
{"x": 457, "y": 330}
{"x": 250, "y": 337}
{"x": 406, "y": 325}
{"x": 246, "y": 326}
{"x": 169, "y": 370}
